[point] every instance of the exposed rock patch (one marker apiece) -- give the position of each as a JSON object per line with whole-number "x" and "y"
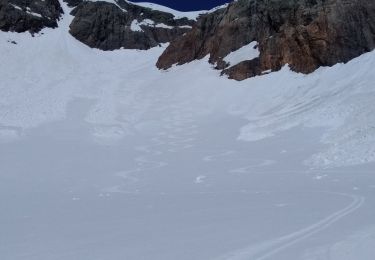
{"x": 305, "y": 34}
{"x": 110, "y": 26}
{"x": 73, "y": 3}
{"x": 29, "y": 15}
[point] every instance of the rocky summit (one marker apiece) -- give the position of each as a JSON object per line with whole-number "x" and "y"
{"x": 305, "y": 34}
{"x": 109, "y": 26}
{"x": 99, "y": 24}
{"x": 29, "y": 15}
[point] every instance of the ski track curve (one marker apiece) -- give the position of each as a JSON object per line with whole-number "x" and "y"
{"x": 271, "y": 248}
{"x": 218, "y": 156}
{"x": 257, "y": 163}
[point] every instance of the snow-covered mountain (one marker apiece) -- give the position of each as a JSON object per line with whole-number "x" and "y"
{"x": 105, "y": 156}
{"x": 328, "y": 104}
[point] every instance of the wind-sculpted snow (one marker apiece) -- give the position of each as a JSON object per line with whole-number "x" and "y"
{"x": 102, "y": 156}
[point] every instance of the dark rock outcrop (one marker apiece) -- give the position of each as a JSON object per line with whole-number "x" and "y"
{"x": 108, "y": 26}
{"x": 73, "y": 3}
{"x": 305, "y": 34}
{"x": 29, "y": 15}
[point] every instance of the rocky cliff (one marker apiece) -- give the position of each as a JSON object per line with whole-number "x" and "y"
{"x": 98, "y": 24}
{"x": 29, "y": 15}
{"x": 305, "y": 34}
{"x": 109, "y": 26}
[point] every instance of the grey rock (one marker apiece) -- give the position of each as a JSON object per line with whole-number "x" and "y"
{"x": 73, "y": 3}
{"x": 107, "y": 26}
{"x": 29, "y": 15}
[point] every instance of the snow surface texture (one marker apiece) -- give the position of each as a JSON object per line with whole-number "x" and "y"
{"x": 102, "y": 156}
{"x": 60, "y": 69}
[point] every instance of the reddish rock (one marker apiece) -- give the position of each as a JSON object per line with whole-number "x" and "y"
{"x": 305, "y": 34}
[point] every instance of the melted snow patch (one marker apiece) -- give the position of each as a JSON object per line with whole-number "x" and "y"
{"x": 136, "y": 26}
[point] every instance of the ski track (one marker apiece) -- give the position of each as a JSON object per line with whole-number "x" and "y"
{"x": 172, "y": 139}
{"x": 269, "y": 249}
{"x": 257, "y": 164}
{"x": 218, "y": 156}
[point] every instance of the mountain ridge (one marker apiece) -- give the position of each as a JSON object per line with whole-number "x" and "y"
{"x": 304, "y": 34}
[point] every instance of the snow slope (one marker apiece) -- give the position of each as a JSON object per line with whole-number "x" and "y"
{"x": 60, "y": 69}
{"x": 102, "y": 156}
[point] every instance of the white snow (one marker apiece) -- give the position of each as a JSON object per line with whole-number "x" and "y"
{"x": 16, "y": 6}
{"x": 28, "y": 11}
{"x": 115, "y": 2}
{"x": 361, "y": 244}
{"x": 136, "y": 26}
{"x": 177, "y": 14}
{"x": 247, "y": 52}
{"x": 102, "y": 156}
{"x": 338, "y": 98}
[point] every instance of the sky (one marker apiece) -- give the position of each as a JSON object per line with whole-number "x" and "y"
{"x": 187, "y": 5}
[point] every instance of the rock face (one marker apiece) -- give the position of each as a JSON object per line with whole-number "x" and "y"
{"x": 29, "y": 15}
{"x": 305, "y": 34}
{"x": 73, "y": 3}
{"x": 108, "y": 26}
